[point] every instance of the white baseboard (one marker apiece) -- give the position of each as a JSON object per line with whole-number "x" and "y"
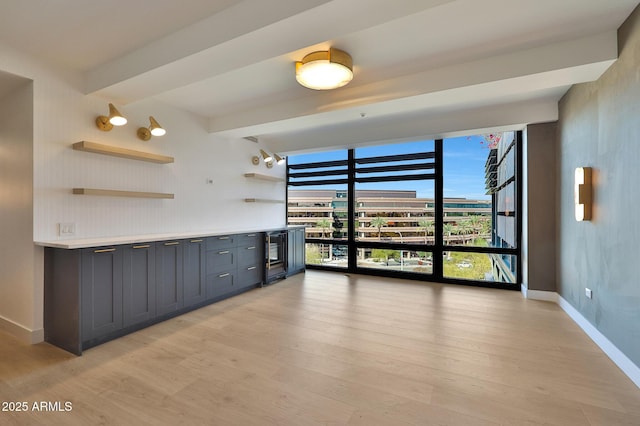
{"x": 23, "y": 333}
{"x": 616, "y": 355}
{"x": 547, "y": 296}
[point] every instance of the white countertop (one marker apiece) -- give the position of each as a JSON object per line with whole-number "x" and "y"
{"x": 134, "y": 239}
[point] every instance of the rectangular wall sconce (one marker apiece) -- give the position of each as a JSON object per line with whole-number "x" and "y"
{"x": 583, "y": 191}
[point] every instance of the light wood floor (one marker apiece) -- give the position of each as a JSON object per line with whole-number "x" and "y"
{"x": 325, "y": 348}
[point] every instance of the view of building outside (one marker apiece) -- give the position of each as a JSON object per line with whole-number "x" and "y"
{"x": 399, "y": 207}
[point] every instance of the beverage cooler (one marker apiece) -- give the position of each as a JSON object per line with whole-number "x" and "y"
{"x": 276, "y": 256}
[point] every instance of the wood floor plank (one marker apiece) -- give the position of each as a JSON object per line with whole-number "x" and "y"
{"x": 334, "y": 349}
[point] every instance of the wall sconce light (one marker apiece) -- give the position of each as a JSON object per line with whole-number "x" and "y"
{"x": 583, "y": 193}
{"x": 105, "y": 123}
{"x": 279, "y": 160}
{"x": 265, "y": 156}
{"x": 154, "y": 129}
{"x": 325, "y": 69}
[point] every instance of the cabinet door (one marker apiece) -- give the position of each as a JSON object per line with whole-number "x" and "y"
{"x": 101, "y": 287}
{"x": 295, "y": 251}
{"x": 194, "y": 272}
{"x": 299, "y": 250}
{"x": 169, "y": 284}
{"x": 139, "y": 283}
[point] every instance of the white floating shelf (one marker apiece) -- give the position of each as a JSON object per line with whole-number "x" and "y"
{"x": 262, "y": 200}
{"x": 114, "y": 193}
{"x": 114, "y": 151}
{"x": 263, "y": 177}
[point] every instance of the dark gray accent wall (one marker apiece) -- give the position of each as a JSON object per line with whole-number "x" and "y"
{"x": 539, "y": 245}
{"x": 599, "y": 127}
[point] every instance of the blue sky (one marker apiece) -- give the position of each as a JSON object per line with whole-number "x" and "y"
{"x": 464, "y": 160}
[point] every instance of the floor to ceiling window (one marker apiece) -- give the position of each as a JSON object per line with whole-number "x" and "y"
{"x": 443, "y": 210}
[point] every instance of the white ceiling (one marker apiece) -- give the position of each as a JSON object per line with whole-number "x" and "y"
{"x": 423, "y": 68}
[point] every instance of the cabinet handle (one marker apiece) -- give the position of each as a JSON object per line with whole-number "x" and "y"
{"x": 196, "y": 241}
{"x": 174, "y": 243}
{"x": 141, "y": 247}
{"x": 223, "y": 238}
{"x": 251, "y": 248}
{"x": 224, "y": 275}
{"x": 251, "y": 268}
{"x": 224, "y": 252}
{"x": 251, "y": 235}
{"x": 104, "y": 250}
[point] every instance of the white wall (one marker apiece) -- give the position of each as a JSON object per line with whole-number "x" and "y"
{"x": 62, "y": 115}
{"x": 16, "y": 208}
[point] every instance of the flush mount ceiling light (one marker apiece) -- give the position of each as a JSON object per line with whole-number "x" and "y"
{"x": 154, "y": 129}
{"x": 105, "y": 123}
{"x": 325, "y": 70}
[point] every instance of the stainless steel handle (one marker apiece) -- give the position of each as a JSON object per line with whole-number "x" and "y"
{"x": 223, "y": 238}
{"x": 251, "y": 235}
{"x": 251, "y": 268}
{"x": 142, "y": 247}
{"x": 173, "y": 243}
{"x": 104, "y": 250}
{"x": 224, "y": 252}
{"x": 268, "y": 244}
{"x": 251, "y": 248}
{"x": 224, "y": 275}
{"x": 196, "y": 241}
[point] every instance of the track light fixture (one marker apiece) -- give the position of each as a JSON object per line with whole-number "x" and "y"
{"x": 106, "y": 123}
{"x": 154, "y": 129}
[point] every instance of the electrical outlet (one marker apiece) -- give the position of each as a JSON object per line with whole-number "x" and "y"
{"x": 588, "y": 293}
{"x": 66, "y": 229}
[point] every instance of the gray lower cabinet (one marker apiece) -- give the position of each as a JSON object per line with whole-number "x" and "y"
{"x": 195, "y": 289}
{"x": 97, "y": 294}
{"x": 101, "y": 281}
{"x": 139, "y": 284}
{"x": 296, "y": 251}
{"x": 169, "y": 277}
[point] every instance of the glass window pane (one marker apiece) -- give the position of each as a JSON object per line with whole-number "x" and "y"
{"x": 322, "y": 209}
{"x": 395, "y": 260}
{"x": 334, "y": 255}
{"x": 479, "y": 190}
{"x": 399, "y": 212}
{"x": 480, "y": 267}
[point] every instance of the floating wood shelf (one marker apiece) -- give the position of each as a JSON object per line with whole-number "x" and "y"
{"x": 121, "y": 152}
{"x": 114, "y": 193}
{"x": 262, "y": 200}
{"x": 263, "y": 177}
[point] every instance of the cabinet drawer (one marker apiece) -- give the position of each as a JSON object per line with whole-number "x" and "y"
{"x": 250, "y": 239}
{"x": 221, "y": 284}
{"x": 221, "y": 241}
{"x": 221, "y": 260}
{"x": 250, "y": 255}
{"x": 249, "y": 276}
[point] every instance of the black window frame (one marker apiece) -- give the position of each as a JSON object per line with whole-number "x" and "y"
{"x": 438, "y": 248}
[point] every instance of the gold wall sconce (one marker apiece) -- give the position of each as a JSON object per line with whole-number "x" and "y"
{"x": 583, "y": 193}
{"x": 106, "y": 123}
{"x": 154, "y": 129}
{"x": 325, "y": 69}
{"x": 268, "y": 159}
